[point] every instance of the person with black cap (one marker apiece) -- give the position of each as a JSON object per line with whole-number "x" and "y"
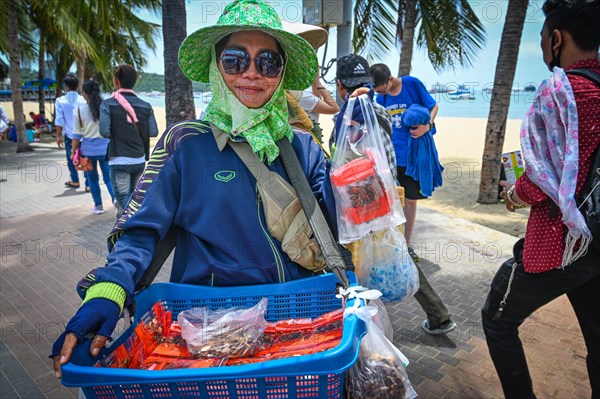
{"x": 353, "y": 77}
{"x": 353, "y": 73}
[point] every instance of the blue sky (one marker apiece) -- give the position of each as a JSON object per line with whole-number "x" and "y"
{"x": 492, "y": 13}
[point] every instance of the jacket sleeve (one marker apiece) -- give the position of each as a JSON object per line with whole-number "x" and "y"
{"x": 104, "y": 120}
{"x": 133, "y": 252}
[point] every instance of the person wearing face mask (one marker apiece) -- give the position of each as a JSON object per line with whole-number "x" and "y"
{"x": 197, "y": 182}
{"x": 560, "y": 137}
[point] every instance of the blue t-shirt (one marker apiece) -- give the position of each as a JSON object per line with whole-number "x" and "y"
{"x": 413, "y": 92}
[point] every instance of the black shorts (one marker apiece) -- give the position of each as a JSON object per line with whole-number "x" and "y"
{"x": 412, "y": 188}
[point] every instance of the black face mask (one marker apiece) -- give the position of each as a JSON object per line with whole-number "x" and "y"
{"x": 555, "y": 61}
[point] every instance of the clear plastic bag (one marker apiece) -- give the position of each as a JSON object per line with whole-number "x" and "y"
{"x": 380, "y": 371}
{"x": 385, "y": 265}
{"x": 362, "y": 183}
{"x": 382, "y": 319}
{"x": 223, "y": 333}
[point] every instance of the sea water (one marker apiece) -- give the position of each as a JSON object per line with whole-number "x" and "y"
{"x": 479, "y": 107}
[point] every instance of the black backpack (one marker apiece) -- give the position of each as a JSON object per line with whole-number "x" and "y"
{"x": 589, "y": 200}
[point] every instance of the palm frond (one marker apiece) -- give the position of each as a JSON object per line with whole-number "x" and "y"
{"x": 450, "y": 31}
{"x": 374, "y": 27}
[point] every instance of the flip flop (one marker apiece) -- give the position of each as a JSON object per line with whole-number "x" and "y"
{"x": 70, "y": 184}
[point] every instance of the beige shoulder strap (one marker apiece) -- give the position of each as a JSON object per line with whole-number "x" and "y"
{"x": 279, "y": 198}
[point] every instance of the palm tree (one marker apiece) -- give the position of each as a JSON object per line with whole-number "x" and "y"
{"x": 179, "y": 99}
{"x": 448, "y": 29}
{"x": 118, "y": 37}
{"x": 97, "y": 34}
{"x": 15, "y": 76}
{"x": 407, "y": 35}
{"x": 503, "y": 81}
{"x": 102, "y": 34}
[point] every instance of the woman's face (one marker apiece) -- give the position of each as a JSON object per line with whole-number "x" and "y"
{"x": 250, "y": 87}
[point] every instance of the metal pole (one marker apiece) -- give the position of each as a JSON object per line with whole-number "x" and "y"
{"x": 344, "y": 36}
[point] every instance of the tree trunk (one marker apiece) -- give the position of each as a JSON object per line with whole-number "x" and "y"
{"x": 501, "y": 92}
{"x": 179, "y": 97}
{"x": 15, "y": 78}
{"x": 408, "y": 37}
{"x": 41, "y": 76}
{"x": 81, "y": 64}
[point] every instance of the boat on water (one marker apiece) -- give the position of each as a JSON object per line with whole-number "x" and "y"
{"x": 437, "y": 87}
{"x": 462, "y": 92}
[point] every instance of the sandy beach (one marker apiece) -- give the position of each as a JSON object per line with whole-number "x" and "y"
{"x": 460, "y": 144}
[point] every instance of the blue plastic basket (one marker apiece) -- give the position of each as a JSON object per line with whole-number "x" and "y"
{"x": 319, "y": 375}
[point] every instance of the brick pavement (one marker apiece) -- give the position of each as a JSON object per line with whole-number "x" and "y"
{"x": 49, "y": 240}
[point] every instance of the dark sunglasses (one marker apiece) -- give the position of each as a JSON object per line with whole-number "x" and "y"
{"x": 235, "y": 61}
{"x": 414, "y": 127}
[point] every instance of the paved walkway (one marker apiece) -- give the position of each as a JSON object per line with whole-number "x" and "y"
{"x": 49, "y": 239}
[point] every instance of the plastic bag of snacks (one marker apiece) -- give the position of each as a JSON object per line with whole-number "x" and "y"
{"x": 223, "y": 333}
{"x": 363, "y": 185}
{"x": 382, "y": 319}
{"x": 385, "y": 265}
{"x": 379, "y": 372}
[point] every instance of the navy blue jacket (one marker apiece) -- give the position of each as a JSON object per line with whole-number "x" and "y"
{"x": 205, "y": 189}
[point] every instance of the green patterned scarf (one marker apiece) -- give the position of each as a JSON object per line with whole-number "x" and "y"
{"x": 260, "y": 127}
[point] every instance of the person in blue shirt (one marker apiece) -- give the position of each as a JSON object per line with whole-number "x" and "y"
{"x": 396, "y": 95}
{"x": 196, "y": 183}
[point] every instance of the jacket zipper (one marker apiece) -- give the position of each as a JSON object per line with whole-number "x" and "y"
{"x": 278, "y": 260}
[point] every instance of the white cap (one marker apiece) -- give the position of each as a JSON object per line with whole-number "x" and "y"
{"x": 314, "y": 35}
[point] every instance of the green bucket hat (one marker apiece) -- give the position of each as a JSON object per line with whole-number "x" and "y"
{"x": 301, "y": 59}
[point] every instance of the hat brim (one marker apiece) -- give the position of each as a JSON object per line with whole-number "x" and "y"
{"x": 351, "y": 82}
{"x": 314, "y": 35}
{"x": 301, "y": 59}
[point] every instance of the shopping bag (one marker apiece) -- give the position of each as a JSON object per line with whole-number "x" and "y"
{"x": 380, "y": 370}
{"x": 383, "y": 264}
{"x": 362, "y": 183}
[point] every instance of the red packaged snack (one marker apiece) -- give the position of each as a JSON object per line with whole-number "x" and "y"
{"x": 361, "y": 191}
{"x": 172, "y": 350}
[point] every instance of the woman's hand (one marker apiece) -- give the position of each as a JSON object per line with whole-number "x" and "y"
{"x": 511, "y": 199}
{"x": 360, "y": 91}
{"x": 98, "y": 317}
{"x": 59, "y": 141}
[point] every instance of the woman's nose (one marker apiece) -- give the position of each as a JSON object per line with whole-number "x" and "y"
{"x": 252, "y": 73}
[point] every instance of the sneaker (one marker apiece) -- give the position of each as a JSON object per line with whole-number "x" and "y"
{"x": 443, "y": 328}
{"x": 413, "y": 254}
{"x": 97, "y": 210}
